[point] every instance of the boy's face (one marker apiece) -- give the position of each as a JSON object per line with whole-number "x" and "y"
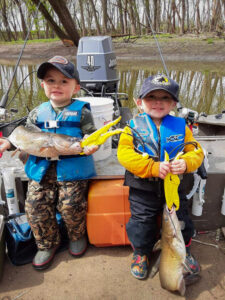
{"x": 157, "y": 104}
{"x": 59, "y": 88}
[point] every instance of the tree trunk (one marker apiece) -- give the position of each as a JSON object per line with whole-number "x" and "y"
{"x": 119, "y": 4}
{"x": 173, "y": 8}
{"x": 125, "y": 16}
{"x": 136, "y": 16}
{"x": 188, "y": 20}
{"x": 65, "y": 18}
{"x": 155, "y": 15}
{"x": 105, "y": 16}
{"x": 5, "y": 21}
{"x": 216, "y": 14}
{"x": 59, "y": 32}
{"x": 95, "y": 17}
{"x": 183, "y": 17}
{"x": 23, "y": 23}
{"x": 198, "y": 22}
{"x": 84, "y": 31}
{"x": 132, "y": 17}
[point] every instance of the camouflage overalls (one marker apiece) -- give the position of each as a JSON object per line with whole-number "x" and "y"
{"x": 68, "y": 197}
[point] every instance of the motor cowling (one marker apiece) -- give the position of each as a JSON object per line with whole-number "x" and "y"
{"x": 96, "y": 64}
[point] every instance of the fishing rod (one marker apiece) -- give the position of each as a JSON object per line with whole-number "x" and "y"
{"x": 179, "y": 106}
{"x": 5, "y": 96}
{"x": 157, "y": 43}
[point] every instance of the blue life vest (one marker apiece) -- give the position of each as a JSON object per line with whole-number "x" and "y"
{"x": 170, "y": 135}
{"x": 67, "y": 122}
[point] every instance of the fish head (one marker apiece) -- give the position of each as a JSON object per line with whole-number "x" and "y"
{"x": 65, "y": 144}
{"x": 171, "y": 224}
{"x": 172, "y": 230}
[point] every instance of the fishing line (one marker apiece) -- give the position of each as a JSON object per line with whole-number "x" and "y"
{"x": 179, "y": 106}
{"x": 156, "y": 40}
{"x": 181, "y": 146}
{"x": 5, "y": 96}
{"x": 19, "y": 88}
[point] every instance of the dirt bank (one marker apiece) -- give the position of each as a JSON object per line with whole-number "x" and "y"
{"x": 190, "y": 48}
{"x": 104, "y": 273}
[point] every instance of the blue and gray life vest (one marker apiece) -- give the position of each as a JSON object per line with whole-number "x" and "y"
{"x": 170, "y": 135}
{"x": 67, "y": 122}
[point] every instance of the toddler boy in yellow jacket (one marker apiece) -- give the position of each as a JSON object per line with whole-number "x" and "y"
{"x": 141, "y": 151}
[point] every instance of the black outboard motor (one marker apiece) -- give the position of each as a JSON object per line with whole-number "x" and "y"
{"x": 96, "y": 64}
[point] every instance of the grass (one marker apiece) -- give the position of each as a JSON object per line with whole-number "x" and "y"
{"x": 163, "y": 37}
{"x": 30, "y": 41}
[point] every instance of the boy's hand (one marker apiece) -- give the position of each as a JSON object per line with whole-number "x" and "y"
{"x": 4, "y": 145}
{"x": 88, "y": 150}
{"x": 178, "y": 166}
{"x": 164, "y": 168}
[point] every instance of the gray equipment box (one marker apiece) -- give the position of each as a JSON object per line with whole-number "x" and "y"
{"x": 96, "y": 64}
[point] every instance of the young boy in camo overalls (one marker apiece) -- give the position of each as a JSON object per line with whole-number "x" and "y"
{"x": 61, "y": 184}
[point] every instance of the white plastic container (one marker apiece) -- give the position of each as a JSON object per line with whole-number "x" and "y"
{"x": 10, "y": 190}
{"x": 2, "y": 245}
{"x": 102, "y": 111}
{"x": 223, "y": 204}
{"x": 198, "y": 199}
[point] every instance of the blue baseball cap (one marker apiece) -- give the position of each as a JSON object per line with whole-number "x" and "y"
{"x": 160, "y": 82}
{"x": 62, "y": 64}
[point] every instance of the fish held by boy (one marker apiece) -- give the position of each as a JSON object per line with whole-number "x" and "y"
{"x": 46, "y": 144}
{"x": 173, "y": 253}
{"x": 43, "y": 144}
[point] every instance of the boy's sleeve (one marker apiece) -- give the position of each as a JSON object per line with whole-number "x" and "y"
{"x": 31, "y": 118}
{"x": 87, "y": 121}
{"x": 138, "y": 164}
{"x": 193, "y": 157}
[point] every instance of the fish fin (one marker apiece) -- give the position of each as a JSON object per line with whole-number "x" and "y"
{"x": 191, "y": 278}
{"x": 154, "y": 268}
{"x": 157, "y": 246}
{"x": 182, "y": 287}
{"x": 14, "y": 152}
{"x": 34, "y": 128}
{"x": 42, "y": 149}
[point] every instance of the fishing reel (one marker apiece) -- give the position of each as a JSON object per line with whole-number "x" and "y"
{"x": 5, "y": 115}
{"x": 191, "y": 116}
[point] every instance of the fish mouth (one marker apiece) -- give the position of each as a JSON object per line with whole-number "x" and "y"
{"x": 169, "y": 211}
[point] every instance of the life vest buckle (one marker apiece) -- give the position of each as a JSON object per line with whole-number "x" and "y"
{"x": 51, "y": 124}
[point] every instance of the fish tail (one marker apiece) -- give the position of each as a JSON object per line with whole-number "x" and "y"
{"x": 181, "y": 286}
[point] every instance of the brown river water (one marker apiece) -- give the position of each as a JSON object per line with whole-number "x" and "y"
{"x": 202, "y": 85}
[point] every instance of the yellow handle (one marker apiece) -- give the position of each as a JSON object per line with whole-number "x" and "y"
{"x": 171, "y": 184}
{"x": 100, "y": 136}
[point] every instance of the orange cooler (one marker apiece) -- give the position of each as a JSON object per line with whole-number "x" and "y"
{"x": 108, "y": 212}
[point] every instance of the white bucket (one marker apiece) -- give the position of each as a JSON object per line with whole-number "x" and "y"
{"x": 102, "y": 111}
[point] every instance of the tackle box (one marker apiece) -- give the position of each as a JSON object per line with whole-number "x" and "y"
{"x": 108, "y": 212}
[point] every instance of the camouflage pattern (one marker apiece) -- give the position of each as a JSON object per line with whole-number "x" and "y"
{"x": 70, "y": 199}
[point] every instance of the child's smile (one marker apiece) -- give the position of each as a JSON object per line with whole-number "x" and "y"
{"x": 158, "y": 104}
{"x": 59, "y": 88}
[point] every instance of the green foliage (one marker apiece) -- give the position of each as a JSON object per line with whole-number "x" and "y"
{"x": 30, "y": 42}
{"x": 210, "y": 41}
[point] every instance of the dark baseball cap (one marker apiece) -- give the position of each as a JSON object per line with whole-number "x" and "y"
{"x": 62, "y": 64}
{"x": 160, "y": 82}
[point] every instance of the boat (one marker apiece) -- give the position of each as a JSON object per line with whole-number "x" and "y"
{"x": 98, "y": 80}
{"x": 103, "y": 269}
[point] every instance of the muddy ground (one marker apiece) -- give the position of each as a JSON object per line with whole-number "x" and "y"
{"x": 104, "y": 273}
{"x": 191, "y": 48}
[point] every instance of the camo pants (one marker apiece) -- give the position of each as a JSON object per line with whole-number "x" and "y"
{"x": 69, "y": 197}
